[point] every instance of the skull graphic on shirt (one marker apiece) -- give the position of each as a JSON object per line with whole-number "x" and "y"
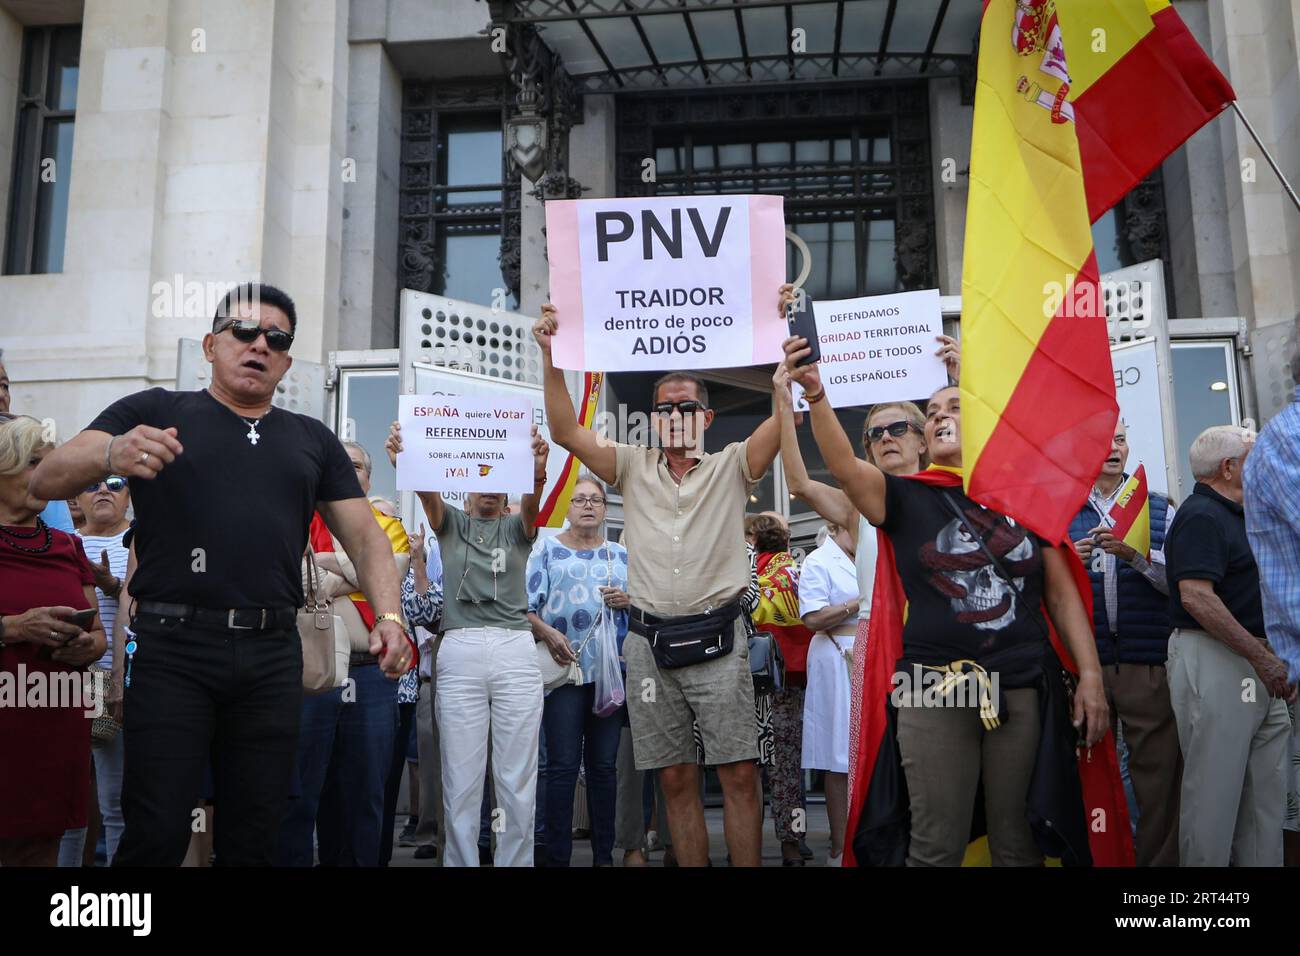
{"x": 961, "y": 571}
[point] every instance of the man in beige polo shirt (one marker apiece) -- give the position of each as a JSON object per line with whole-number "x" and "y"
{"x": 683, "y": 514}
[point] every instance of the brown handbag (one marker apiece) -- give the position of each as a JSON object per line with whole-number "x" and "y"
{"x": 316, "y": 628}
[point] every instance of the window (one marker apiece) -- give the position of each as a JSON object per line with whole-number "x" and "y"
{"x": 857, "y": 187}
{"x": 47, "y": 107}
{"x": 459, "y": 209}
{"x": 829, "y": 179}
{"x": 1205, "y": 393}
{"x": 367, "y": 398}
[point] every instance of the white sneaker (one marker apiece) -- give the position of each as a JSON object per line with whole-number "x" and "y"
{"x": 834, "y": 860}
{"x": 652, "y": 844}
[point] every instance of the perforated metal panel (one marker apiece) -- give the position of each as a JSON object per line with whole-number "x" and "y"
{"x": 1271, "y": 364}
{"x": 1136, "y": 307}
{"x": 470, "y": 337}
{"x": 301, "y": 390}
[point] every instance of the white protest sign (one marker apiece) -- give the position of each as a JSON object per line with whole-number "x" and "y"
{"x": 1137, "y": 391}
{"x": 465, "y": 444}
{"x": 880, "y": 348}
{"x": 680, "y": 282}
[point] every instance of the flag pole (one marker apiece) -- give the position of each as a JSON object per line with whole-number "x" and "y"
{"x": 1295, "y": 201}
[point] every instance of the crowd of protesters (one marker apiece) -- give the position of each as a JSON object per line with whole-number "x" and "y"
{"x": 166, "y": 553}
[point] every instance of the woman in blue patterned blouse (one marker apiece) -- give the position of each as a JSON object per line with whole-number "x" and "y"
{"x": 573, "y": 579}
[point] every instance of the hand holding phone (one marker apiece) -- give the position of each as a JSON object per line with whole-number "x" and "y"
{"x": 83, "y": 619}
{"x": 799, "y": 316}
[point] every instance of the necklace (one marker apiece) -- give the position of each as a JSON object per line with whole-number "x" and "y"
{"x": 252, "y": 423}
{"x": 252, "y": 436}
{"x": 41, "y": 528}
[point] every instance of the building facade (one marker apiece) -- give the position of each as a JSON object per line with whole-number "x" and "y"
{"x": 153, "y": 153}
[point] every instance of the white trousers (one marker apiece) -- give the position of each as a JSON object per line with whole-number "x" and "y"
{"x": 488, "y": 678}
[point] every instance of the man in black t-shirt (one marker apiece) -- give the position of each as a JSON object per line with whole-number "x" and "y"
{"x": 224, "y": 486}
{"x": 1228, "y": 688}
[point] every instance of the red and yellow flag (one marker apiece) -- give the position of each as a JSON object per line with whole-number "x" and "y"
{"x": 556, "y": 506}
{"x": 1038, "y": 395}
{"x": 1143, "y": 88}
{"x": 1131, "y": 514}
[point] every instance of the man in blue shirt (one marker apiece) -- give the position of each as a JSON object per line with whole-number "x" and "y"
{"x": 1272, "y": 480}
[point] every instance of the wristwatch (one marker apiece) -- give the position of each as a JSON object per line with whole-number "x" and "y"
{"x": 396, "y": 619}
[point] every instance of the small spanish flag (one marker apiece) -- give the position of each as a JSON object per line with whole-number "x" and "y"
{"x": 556, "y": 506}
{"x": 1132, "y": 514}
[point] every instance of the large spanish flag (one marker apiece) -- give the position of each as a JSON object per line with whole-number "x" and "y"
{"x": 556, "y": 506}
{"x": 1142, "y": 87}
{"x": 1131, "y": 514}
{"x": 1038, "y": 396}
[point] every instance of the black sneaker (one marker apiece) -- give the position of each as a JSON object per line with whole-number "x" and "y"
{"x": 426, "y": 851}
{"x": 407, "y": 836}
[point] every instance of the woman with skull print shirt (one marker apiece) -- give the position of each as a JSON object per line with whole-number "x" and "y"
{"x": 963, "y": 616}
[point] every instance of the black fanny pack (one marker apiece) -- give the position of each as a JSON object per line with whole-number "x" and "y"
{"x": 682, "y": 641}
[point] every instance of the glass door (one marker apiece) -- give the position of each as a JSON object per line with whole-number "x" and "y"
{"x": 1206, "y": 392}
{"x": 367, "y": 406}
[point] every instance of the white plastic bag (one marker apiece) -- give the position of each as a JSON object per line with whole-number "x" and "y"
{"x": 610, "y": 694}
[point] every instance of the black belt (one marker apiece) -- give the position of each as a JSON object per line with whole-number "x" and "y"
{"x": 231, "y": 619}
{"x": 362, "y": 659}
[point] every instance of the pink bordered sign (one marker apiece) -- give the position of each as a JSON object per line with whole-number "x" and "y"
{"x": 681, "y": 282}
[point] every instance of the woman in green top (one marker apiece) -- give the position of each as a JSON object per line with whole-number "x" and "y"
{"x": 485, "y": 666}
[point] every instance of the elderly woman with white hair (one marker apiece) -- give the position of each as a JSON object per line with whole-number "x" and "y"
{"x": 45, "y": 580}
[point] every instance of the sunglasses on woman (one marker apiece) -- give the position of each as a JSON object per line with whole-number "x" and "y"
{"x": 246, "y": 330}
{"x": 114, "y": 483}
{"x": 895, "y": 429}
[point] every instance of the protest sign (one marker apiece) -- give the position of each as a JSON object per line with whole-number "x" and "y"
{"x": 465, "y": 444}
{"x": 880, "y": 348}
{"x": 681, "y": 282}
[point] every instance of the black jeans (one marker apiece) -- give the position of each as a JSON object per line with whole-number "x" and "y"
{"x": 235, "y": 695}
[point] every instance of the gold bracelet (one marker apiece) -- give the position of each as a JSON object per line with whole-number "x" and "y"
{"x": 396, "y": 619}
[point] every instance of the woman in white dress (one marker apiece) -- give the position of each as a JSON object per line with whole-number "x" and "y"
{"x": 828, "y": 604}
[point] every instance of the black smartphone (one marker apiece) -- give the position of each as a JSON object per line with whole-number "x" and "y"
{"x": 83, "y": 619}
{"x": 799, "y": 316}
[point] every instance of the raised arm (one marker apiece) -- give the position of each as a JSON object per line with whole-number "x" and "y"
{"x": 765, "y": 442}
{"x": 863, "y": 482}
{"x": 831, "y": 503}
{"x": 531, "y": 503}
{"x": 588, "y": 447}
{"x": 431, "y": 501}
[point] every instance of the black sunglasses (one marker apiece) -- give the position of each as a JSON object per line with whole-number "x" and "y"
{"x": 688, "y": 407}
{"x": 114, "y": 482}
{"x": 896, "y": 429}
{"x": 247, "y": 330}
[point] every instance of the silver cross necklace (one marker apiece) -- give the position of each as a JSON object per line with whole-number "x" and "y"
{"x": 252, "y": 436}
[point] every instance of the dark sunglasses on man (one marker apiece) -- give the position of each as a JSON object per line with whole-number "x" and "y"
{"x": 247, "y": 330}
{"x": 895, "y": 429}
{"x": 688, "y": 407}
{"x": 115, "y": 483}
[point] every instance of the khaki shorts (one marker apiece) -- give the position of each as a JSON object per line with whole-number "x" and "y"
{"x": 661, "y": 705}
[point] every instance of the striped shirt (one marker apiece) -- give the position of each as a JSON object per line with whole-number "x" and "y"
{"x": 1272, "y": 504}
{"x": 95, "y": 545}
